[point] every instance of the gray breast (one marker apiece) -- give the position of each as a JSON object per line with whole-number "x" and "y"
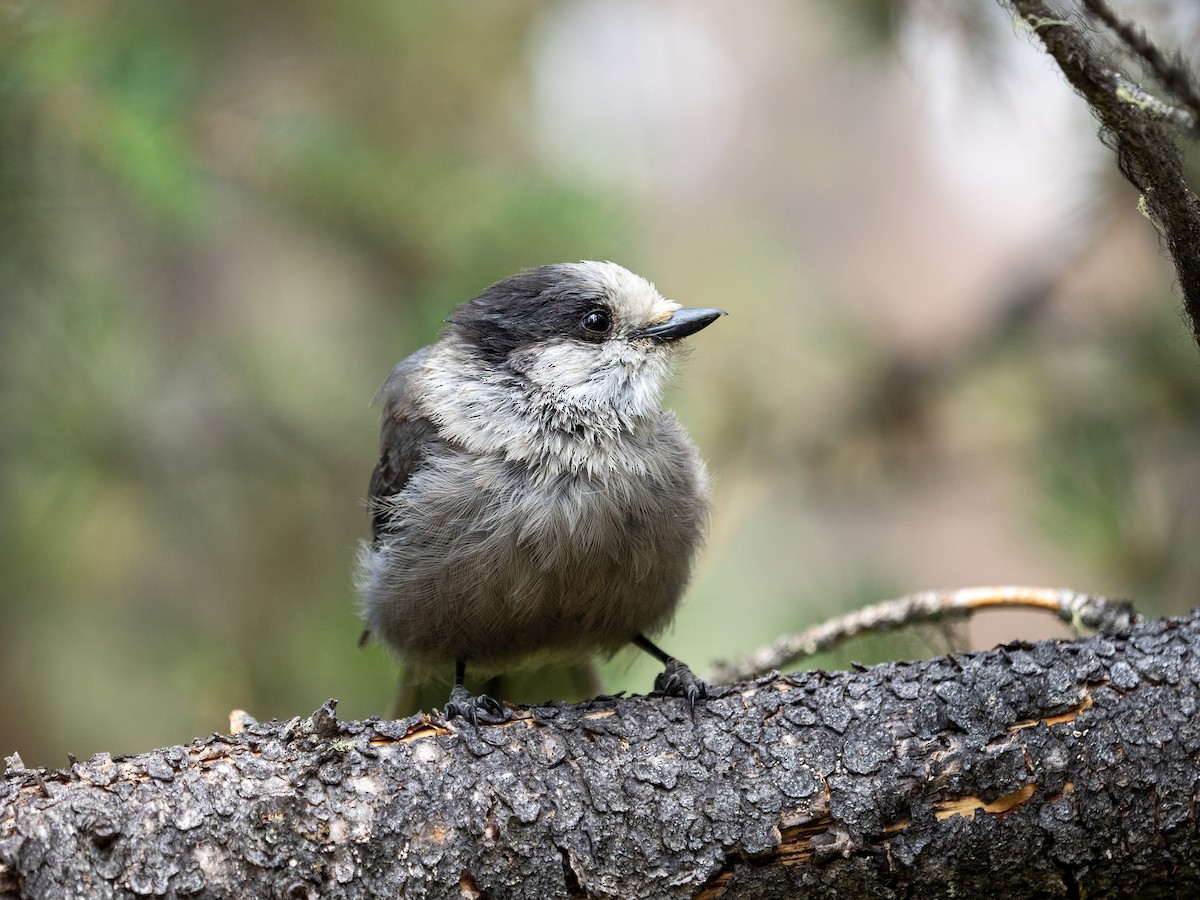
{"x": 488, "y": 561}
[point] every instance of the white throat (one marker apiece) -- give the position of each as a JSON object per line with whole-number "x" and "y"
{"x": 563, "y": 406}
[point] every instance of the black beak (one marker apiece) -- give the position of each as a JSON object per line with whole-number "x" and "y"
{"x": 683, "y": 323}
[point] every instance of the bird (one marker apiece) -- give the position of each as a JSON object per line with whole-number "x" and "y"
{"x": 532, "y": 499}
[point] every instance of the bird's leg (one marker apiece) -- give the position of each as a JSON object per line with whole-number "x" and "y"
{"x": 676, "y": 679}
{"x": 463, "y": 703}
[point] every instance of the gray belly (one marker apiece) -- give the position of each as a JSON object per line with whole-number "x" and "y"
{"x": 487, "y": 563}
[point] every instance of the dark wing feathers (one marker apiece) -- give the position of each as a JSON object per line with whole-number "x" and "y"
{"x": 405, "y": 439}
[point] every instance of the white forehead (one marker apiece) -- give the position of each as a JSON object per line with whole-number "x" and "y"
{"x": 633, "y": 298}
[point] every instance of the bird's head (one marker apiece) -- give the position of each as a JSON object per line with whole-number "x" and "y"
{"x": 588, "y": 335}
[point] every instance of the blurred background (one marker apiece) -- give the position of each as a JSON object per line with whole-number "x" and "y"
{"x": 954, "y": 355}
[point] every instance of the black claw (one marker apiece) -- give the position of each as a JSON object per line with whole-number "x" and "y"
{"x": 677, "y": 680}
{"x": 464, "y": 704}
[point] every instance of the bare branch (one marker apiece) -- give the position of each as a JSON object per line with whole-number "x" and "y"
{"x": 925, "y": 607}
{"x": 1146, "y": 153}
{"x": 1172, "y": 74}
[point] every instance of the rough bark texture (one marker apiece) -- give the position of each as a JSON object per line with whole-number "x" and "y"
{"x": 1057, "y": 769}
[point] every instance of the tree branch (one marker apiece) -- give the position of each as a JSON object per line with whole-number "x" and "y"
{"x": 1056, "y": 769}
{"x": 1132, "y": 123}
{"x": 1172, "y": 74}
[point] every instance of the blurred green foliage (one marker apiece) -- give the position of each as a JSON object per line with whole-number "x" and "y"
{"x": 222, "y": 223}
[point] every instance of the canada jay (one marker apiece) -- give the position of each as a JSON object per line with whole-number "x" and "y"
{"x": 531, "y": 493}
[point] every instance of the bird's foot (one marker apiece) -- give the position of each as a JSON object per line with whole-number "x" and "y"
{"x": 677, "y": 680}
{"x": 465, "y": 704}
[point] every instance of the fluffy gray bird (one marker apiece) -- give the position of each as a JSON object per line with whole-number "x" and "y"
{"x": 531, "y": 494}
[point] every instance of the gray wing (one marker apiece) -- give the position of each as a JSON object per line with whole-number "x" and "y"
{"x": 405, "y": 440}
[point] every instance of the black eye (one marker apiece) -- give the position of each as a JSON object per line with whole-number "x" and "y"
{"x": 597, "y": 322}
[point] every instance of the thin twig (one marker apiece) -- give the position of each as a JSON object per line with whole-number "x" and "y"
{"x": 1172, "y": 74}
{"x": 1155, "y": 106}
{"x": 1081, "y": 610}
